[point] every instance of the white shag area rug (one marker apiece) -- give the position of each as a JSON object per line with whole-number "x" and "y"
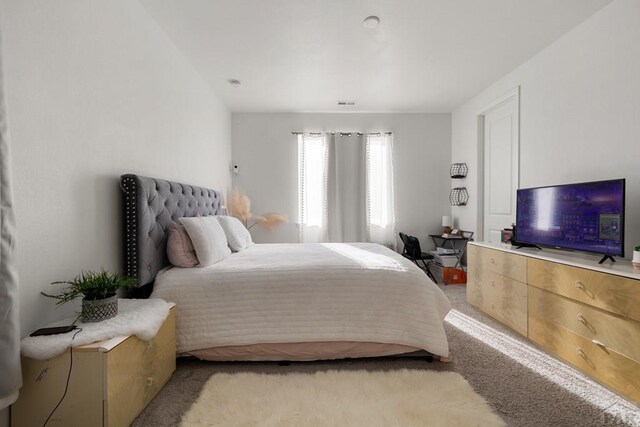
{"x": 404, "y": 398}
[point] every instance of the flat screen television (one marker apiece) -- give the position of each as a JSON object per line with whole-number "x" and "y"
{"x": 587, "y": 217}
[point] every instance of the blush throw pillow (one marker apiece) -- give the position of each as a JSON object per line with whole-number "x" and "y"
{"x": 180, "y": 248}
{"x": 237, "y": 234}
{"x": 208, "y": 239}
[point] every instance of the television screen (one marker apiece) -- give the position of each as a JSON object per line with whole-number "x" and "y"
{"x": 586, "y": 217}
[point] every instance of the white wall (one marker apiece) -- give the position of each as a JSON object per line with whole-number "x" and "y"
{"x": 267, "y": 154}
{"x": 580, "y": 110}
{"x": 95, "y": 89}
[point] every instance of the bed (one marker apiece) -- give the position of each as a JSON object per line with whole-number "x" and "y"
{"x": 279, "y": 301}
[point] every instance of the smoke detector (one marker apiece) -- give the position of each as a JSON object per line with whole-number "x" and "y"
{"x": 371, "y": 22}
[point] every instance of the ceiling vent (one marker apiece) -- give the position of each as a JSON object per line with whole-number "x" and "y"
{"x": 346, "y": 103}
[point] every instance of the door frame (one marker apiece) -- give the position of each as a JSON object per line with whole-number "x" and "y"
{"x": 510, "y": 95}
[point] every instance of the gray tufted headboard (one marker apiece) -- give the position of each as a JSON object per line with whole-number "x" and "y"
{"x": 149, "y": 206}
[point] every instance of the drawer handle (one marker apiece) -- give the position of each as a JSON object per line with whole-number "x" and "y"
{"x": 581, "y": 286}
{"x": 149, "y": 381}
{"x": 580, "y": 352}
{"x": 493, "y": 284}
{"x": 493, "y": 261}
{"x": 580, "y": 318}
{"x": 599, "y": 343}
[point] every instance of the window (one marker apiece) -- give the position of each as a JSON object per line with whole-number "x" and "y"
{"x": 352, "y": 205}
{"x": 312, "y": 187}
{"x": 380, "y": 203}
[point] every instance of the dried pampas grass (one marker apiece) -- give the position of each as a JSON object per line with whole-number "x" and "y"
{"x": 239, "y": 205}
{"x": 270, "y": 220}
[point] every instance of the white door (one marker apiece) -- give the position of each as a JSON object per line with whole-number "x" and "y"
{"x": 501, "y": 141}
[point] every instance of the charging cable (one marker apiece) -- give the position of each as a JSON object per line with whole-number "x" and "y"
{"x": 66, "y": 387}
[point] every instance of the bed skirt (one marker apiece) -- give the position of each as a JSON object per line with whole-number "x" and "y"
{"x": 300, "y": 351}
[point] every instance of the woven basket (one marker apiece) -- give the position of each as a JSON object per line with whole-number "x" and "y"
{"x": 98, "y": 310}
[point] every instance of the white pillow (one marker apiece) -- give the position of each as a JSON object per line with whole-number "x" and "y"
{"x": 237, "y": 234}
{"x": 208, "y": 239}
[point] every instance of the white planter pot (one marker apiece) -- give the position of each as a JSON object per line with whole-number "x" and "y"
{"x": 636, "y": 260}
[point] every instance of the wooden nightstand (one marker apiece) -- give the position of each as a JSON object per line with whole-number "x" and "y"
{"x": 111, "y": 381}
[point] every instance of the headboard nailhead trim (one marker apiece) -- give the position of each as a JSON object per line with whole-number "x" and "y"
{"x": 129, "y": 187}
{"x": 150, "y": 205}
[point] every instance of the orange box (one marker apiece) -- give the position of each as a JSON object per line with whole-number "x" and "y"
{"x": 454, "y": 275}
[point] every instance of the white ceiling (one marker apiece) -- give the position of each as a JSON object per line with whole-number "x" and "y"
{"x": 305, "y": 55}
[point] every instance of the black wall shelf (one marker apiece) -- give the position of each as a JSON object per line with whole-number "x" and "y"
{"x": 458, "y": 170}
{"x": 459, "y": 196}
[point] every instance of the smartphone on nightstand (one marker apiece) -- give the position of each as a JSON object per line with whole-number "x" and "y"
{"x": 54, "y": 330}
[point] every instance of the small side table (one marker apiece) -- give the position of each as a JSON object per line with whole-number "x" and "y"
{"x": 443, "y": 242}
{"x": 111, "y": 381}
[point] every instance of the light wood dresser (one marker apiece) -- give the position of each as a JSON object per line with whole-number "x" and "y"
{"x": 584, "y": 313}
{"x": 111, "y": 381}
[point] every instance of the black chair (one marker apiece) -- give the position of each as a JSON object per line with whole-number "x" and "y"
{"x": 413, "y": 252}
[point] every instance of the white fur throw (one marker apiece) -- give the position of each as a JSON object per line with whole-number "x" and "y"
{"x": 140, "y": 317}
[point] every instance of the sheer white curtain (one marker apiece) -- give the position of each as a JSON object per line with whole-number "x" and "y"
{"x": 379, "y": 190}
{"x": 312, "y": 188}
{"x": 346, "y": 188}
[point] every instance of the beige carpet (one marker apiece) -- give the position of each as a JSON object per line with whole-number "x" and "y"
{"x": 338, "y": 398}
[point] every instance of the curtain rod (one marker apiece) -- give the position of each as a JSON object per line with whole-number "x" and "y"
{"x": 339, "y": 133}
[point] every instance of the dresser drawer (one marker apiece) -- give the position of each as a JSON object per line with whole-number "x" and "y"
{"x": 502, "y": 263}
{"x": 611, "y": 368}
{"x": 615, "y": 294}
{"x": 503, "y": 298}
{"x": 614, "y": 332}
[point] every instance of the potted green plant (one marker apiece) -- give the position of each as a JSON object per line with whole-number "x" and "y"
{"x": 98, "y": 292}
{"x": 636, "y": 258}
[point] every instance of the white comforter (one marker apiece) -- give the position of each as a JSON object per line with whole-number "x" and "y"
{"x": 292, "y": 293}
